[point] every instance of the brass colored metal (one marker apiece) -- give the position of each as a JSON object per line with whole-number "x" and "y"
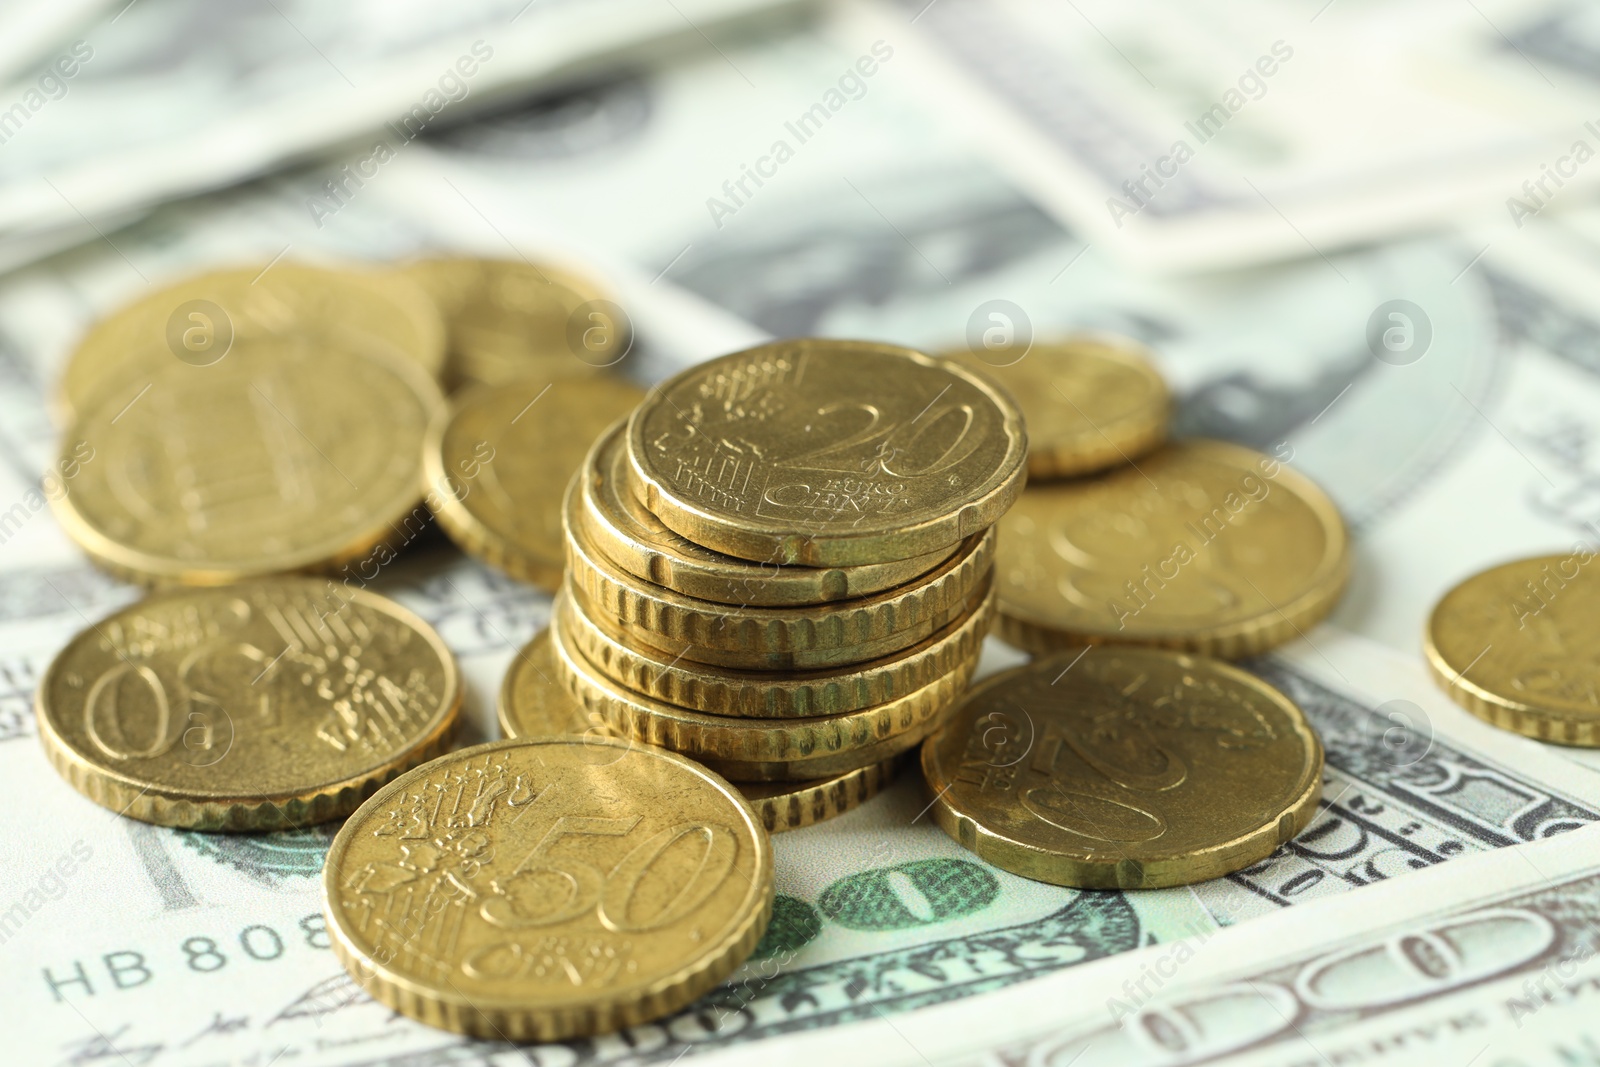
{"x": 624, "y": 531}
{"x": 1516, "y": 646}
{"x": 499, "y": 460}
{"x": 1202, "y": 546}
{"x": 1091, "y": 402}
{"x": 548, "y": 888}
{"x": 507, "y": 318}
{"x": 270, "y": 704}
{"x": 1128, "y": 768}
{"x": 827, "y": 453}
{"x": 203, "y": 317}
{"x": 533, "y": 703}
{"x": 281, "y": 458}
{"x": 788, "y": 638}
{"x": 781, "y": 694}
{"x": 812, "y": 747}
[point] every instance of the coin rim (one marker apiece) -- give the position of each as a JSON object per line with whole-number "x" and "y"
{"x": 519, "y": 1019}
{"x": 1196, "y": 865}
{"x": 750, "y": 538}
{"x": 150, "y": 801}
{"x": 151, "y": 569}
{"x": 1246, "y": 637}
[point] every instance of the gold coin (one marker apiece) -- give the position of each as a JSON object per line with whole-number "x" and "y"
{"x": 270, "y": 704}
{"x": 1126, "y": 769}
{"x": 1090, "y": 402}
{"x": 1202, "y": 546}
{"x": 625, "y": 532}
{"x": 781, "y": 694}
{"x": 507, "y": 318}
{"x": 1519, "y": 646}
{"x": 548, "y": 888}
{"x": 784, "y": 638}
{"x": 827, "y": 453}
{"x": 533, "y": 703}
{"x": 285, "y": 458}
{"x": 803, "y": 743}
{"x": 499, "y": 460}
{"x": 201, "y": 319}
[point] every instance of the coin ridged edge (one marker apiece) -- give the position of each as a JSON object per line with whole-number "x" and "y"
{"x": 1120, "y": 444}
{"x": 777, "y": 631}
{"x": 666, "y": 996}
{"x": 825, "y": 800}
{"x": 1043, "y": 865}
{"x": 786, "y": 546}
{"x": 784, "y": 694}
{"x": 698, "y": 733}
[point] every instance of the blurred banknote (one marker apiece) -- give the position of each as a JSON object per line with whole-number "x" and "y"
{"x": 163, "y": 98}
{"x": 1186, "y": 138}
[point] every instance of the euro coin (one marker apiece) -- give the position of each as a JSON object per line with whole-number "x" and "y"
{"x": 508, "y": 318}
{"x": 1090, "y": 402}
{"x": 1519, "y": 646}
{"x": 534, "y": 703}
{"x": 549, "y": 888}
{"x": 270, "y": 704}
{"x": 1202, "y": 546}
{"x": 809, "y": 747}
{"x": 1125, "y": 769}
{"x": 827, "y": 453}
{"x": 498, "y": 462}
{"x": 625, "y": 532}
{"x": 283, "y": 458}
{"x": 781, "y": 694}
{"x": 199, "y": 321}
{"x": 786, "y": 638}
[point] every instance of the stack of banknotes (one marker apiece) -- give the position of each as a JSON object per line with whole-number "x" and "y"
{"x": 1360, "y": 241}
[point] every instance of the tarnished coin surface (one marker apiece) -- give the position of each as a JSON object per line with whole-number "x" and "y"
{"x": 1519, "y": 645}
{"x": 1201, "y": 545}
{"x": 624, "y": 530}
{"x": 548, "y": 888}
{"x": 533, "y": 703}
{"x": 1091, "y": 402}
{"x": 499, "y": 460}
{"x": 204, "y": 319}
{"x": 506, "y": 318}
{"x": 827, "y": 453}
{"x": 1128, "y": 768}
{"x": 269, "y": 704}
{"x": 283, "y": 457}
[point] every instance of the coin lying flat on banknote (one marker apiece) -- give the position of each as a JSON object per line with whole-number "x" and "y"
{"x": 505, "y": 318}
{"x": 625, "y": 532}
{"x": 827, "y": 453}
{"x": 283, "y": 457}
{"x": 270, "y": 704}
{"x": 200, "y": 319}
{"x": 540, "y": 889}
{"x": 534, "y": 703}
{"x": 499, "y": 460}
{"x": 1091, "y": 402}
{"x": 1124, "y": 768}
{"x": 1517, "y": 645}
{"x": 1201, "y": 545}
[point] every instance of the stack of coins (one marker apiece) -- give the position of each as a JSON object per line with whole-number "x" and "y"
{"x": 1125, "y": 537}
{"x": 781, "y": 566}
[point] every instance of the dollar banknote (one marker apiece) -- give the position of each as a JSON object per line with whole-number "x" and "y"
{"x": 1186, "y": 139}
{"x": 1492, "y": 960}
{"x": 165, "y": 98}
